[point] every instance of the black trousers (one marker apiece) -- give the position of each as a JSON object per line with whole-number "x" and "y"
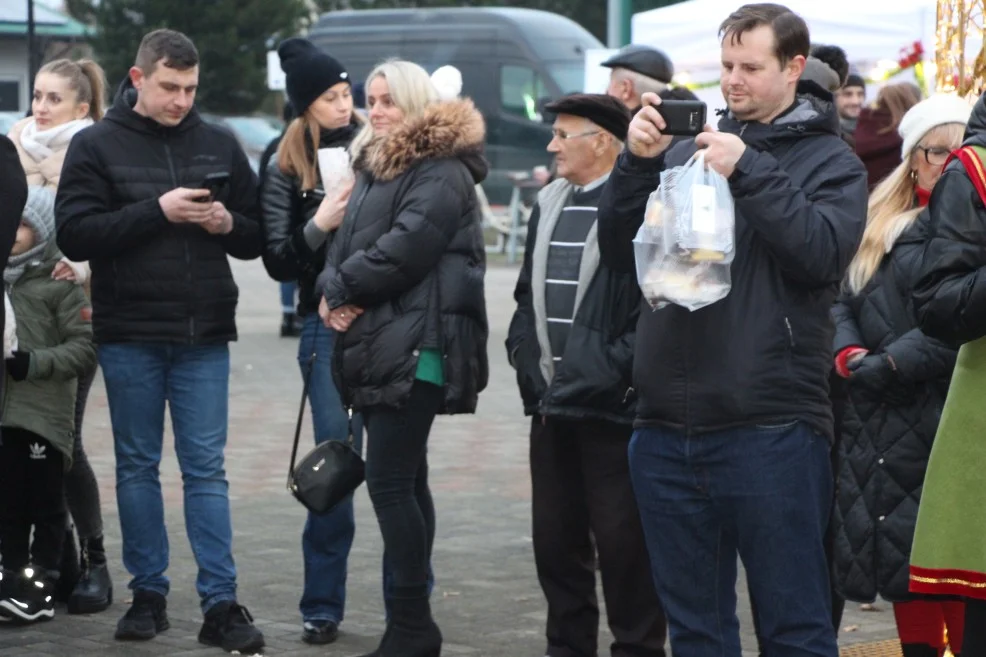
{"x": 397, "y": 480}
{"x": 582, "y": 495}
{"x": 974, "y": 641}
{"x": 32, "y": 473}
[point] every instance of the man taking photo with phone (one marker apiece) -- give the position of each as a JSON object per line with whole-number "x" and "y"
{"x": 141, "y": 200}
{"x": 731, "y": 449}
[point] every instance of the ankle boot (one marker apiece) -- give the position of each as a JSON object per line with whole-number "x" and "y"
{"x": 919, "y": 650}
{"x": 69, "y": 571}
{"x": 411, "y": 631}
{"x": 94, "y": 591}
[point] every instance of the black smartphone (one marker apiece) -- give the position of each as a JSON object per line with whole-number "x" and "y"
{"x": 214, "y": 182}
{"x": 683, "y": 117}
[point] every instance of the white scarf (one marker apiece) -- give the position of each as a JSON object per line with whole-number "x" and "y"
{"x": 39, "y": 145}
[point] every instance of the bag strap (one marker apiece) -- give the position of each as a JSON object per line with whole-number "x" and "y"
{"x": 351, "y": 440}
{"x": 973, "y": 158}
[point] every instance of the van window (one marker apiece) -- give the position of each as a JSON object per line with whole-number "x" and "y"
{"x": 520, "y": 89}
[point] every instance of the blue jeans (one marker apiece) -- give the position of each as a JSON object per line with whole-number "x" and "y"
{"x": 194, "y": 380}
{"x": 327, "y": 539}
{"x": 764, "y": 493}
{"x": 288, "y": 291}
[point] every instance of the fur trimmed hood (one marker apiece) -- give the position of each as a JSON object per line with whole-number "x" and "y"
{"x": 446, "y": 129}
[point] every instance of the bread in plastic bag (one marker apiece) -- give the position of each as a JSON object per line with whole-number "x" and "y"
{"x": 684, "y": 248}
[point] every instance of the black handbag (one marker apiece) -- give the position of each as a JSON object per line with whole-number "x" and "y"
{"x": 330, "y": 472}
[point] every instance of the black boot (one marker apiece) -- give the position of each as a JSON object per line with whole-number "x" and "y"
{"x": 411, "y": 631}
{"x": 919, "y": 650}
{"x": 94, "y": 591}
{"x": 69, "y": 573}
{"x": 290, "y": 326}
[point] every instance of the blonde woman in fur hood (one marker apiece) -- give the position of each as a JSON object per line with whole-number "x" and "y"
{"x": 403, "y": 287}
{"x": 68, "y": 97}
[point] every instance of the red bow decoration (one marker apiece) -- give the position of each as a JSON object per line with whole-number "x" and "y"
{"x": 910, "y": 56}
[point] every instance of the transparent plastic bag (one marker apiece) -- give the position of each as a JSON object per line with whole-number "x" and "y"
{"x": 685, "y": 246}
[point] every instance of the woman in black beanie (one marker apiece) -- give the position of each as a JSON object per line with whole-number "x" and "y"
{"x": 299, "y": 220}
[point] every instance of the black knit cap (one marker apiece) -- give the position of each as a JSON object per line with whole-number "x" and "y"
{"x": 605, "y": 111}
{"x": 309, "y": 72}
{"x": 855, "y": 80}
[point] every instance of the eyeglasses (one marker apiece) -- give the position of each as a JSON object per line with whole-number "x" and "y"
{"x": 935, "y": 155}
{"x": 561, "y": 134}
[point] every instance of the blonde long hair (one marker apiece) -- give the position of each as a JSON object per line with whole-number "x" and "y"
{"x": 411, "y": 89}
{"x": 86, "y": 78}
{"x": 891, "y": 211}
{"x": 297, "y": 153}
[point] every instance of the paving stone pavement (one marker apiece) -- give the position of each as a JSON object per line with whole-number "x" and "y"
{"x": 486, "y": 600}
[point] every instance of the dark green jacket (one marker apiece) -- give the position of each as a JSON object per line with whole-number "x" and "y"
{"x": 53, "y": 324}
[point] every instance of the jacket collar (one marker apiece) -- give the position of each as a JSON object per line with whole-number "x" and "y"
{"x": 445, "y": 129}
{"x": 122, "y": 113}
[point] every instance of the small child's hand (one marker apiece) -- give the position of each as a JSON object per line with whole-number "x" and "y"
{"x": 18, "y": 365}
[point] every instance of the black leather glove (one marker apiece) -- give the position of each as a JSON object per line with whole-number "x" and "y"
{"x": 18, "y": 365}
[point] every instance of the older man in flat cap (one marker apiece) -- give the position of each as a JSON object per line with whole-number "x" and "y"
{"x": 571, "y": 342}
{"x": 637, "y": 69}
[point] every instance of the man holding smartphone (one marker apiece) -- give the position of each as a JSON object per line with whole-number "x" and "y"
{"x": 155, "y": 199}
{"x": 731, "y": 449}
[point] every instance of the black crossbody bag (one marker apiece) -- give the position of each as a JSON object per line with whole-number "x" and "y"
{"x": 330, "y": 472}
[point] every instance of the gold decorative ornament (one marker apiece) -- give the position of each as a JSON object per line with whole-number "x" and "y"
{"x": 960, "y": 55}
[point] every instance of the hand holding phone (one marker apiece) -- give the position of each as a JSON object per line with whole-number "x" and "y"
{"x": 646, "y": 136}
{"x": 215, "y": 183}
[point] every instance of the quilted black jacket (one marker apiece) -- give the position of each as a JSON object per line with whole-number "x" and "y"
{"x": 889, "y": 425}
{"x": 410, "y": 252}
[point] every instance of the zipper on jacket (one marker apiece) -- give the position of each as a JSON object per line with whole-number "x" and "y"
{"x": 790, "y": 331}
{"x": 188, "y": 249}
{"x": 627, "y": 395}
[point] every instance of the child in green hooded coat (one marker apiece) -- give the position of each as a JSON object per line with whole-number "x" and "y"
{"x": 54, "y": 348}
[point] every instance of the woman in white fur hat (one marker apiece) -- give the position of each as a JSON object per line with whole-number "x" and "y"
{"x": 898, "y": 379}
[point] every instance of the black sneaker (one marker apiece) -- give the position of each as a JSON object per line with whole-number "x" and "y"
{"x": 320, "y": 633}
{"x": 28, "y": 597}
{"x": 229, "y": 626}
{"x": 146, "y": 617}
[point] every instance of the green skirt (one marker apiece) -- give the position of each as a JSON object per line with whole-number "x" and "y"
{"x": 949, "y": 552}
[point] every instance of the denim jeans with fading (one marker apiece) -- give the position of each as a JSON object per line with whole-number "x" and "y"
{"x": 194, "y": 381}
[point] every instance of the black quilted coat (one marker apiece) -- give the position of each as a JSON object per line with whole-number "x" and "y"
{"x": 895, "y": 401}
{"x": 411, "y": 253}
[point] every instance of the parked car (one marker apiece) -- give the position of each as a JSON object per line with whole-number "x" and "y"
{"x": 253, "y": 132}
{"x": 512, "y": 62}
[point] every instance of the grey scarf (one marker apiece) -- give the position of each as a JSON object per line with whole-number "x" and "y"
{"x": 17, "y": 265}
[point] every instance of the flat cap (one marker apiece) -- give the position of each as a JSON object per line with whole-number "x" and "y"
{"x": 647, "y": 61}
{"x": 605, "y": 111}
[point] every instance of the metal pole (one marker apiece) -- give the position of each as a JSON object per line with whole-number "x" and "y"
{"x": 614, "y": 23}
{"x": 627, "y": 14}
{"x": 31, "y": 58}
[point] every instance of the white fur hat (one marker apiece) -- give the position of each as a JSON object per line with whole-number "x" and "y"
{"x": 448, "y": 81}
{"x": 932, "y": 112}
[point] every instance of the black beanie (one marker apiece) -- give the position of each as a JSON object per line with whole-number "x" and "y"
{"x": 855, "y": 80}
{"x": 309, "y": 72}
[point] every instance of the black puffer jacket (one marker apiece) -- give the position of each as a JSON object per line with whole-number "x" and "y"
{"x": 286, "y": 211}
{"x": 951, "y": 293}
{"x": 593, "y": 378}
{"x": 889, "y": 425}
{"x": 410, "y": 252}
{"x": 152, "y": 280}
{"x": 763, "y": 354}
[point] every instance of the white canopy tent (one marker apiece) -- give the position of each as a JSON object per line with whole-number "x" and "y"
{"x": 872, "y": 34}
